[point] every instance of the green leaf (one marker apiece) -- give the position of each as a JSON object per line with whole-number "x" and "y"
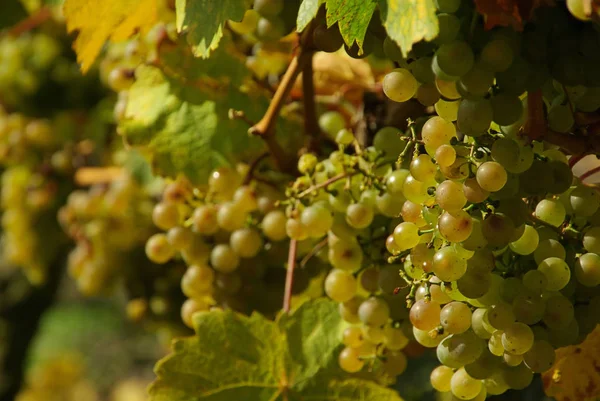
{"x": 12, "y": 12}
{"x": 352, "y": 16}
{"x": 409, "y": 21}
{"x": 307, "y": 12}
{"x": 204, "y": 19}
{"x": 233, "y": 357}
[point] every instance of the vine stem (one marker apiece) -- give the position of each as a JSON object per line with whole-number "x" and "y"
{"x": 289, "y": 277}
{"x": 252, "y": 167}
{"x": 311, "y": 125}
{"x": 31, "y": 22}
{"x": 326, "y": 183}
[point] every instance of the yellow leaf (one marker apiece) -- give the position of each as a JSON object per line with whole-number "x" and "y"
{"x": 576, "y": 374}
{"x": 100, "y": 20}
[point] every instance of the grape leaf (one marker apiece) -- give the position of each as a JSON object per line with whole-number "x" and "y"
{"x": 99, "y": 21}
{"x": 352, "y": 16}
{"x": 204, "y": 19}
{"x": 233, "y": 357}
{"x": 508, "y": 12}
{"x": 307, "y": 12}
{"x": 409, "y": 21}
{"x": 576, "y": 372}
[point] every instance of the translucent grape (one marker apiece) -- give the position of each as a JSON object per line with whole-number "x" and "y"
{"x": 454, "y": 59}
{"x": 340, "y": 285}
{"x": 437, "y": 132}
{"x": 491, "y": 176}
{"x": 425, "y": 315}
{"x": 197, "y": 281}
{"x": 448, "y": 265}
{"x": 474, "y": 116}
{"x": 517, "y": 338}
{"x": 556, "y": 271}
{"x": 559, "y": 312}
{"x": 584, "y": 200}
{"x": 473, "y": 191}
{"x": 551, "y": 211}
{"x": 345, "y": 255}
{"x": 455, "y": 317}
{"x": 158, "y": 249}
{"x": 527, "y": 243}
{"x": 422, "y": 168}
{"x": 359, "y": 215}
{"x": 224, "y": 259}
{"x": 274, "y": 225}
{"x": 548, "y": 248}
{"x": 350, "y": 360}
{"x": 395, "y": 339}
{"x": 535, "y": 281}
{"x": 448, "y": 110}
{"x": 458, "y": 350}
{"x": 587, "y": 269}
{"x": 204, "y": 220}
{"x": 400, "y": 85}
{"x": 246, "y": 242}
{"x": 406, "y": 235}
{"x": 353, "y": 337}
{"x": 497, "y": 55}
{"x": 374, "y": 312}
{"x": 540, "y": 356}
{"x": 230, "y": 216}
{"x": 332, "y": 122}
{"x": 317, "y": 220}
{"x": 450, "y": 196}
{"x": 500, "y": 315}
{"x": 464, "y": 386}
{"x": 456, "y": 226}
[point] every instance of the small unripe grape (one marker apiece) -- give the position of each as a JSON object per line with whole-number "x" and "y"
{"x": 224, "y": 259}
{"x": 246, "y": 242}
{"x": 274, "y": 225}
{"x": 307, "y": 163}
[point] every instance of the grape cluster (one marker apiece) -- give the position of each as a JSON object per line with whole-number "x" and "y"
{"x": 107, "y": 222}
{"x": 230, "y": 235}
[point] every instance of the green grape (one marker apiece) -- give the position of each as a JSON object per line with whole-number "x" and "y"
{"x": 447, "y": 6}
{"x": 440, "y": 378}
{"x": 374, "y": 312}
{"x": 230, "y": 216}
{"x": 349, "y": 310}
{"x": 413, "y": 213}
{"x": 476, "y": 82}
{"x": 437, "y": 132}
{"x": 394, "y": 339}
{"x": 591, "y": 239}
{"x": 395, "y": 181}
{"x": 560, "y": 118}
{"x": 587, "y": 269}
{"x": 246, "y": 242}
{"x": 517, "y": 338}
{"x": 223, "y": 259}
{"x": 450, "y": 196}
{"x": 535, "y": 281}
{"x": 458, "y": 350}
{"x": 359, "y": 215}
{"x": 491, "y": 176}
{"x": 584, "y": 201}
{"x": 476, "y": 282}
{"x": 340, "y": 285}
{"x": 500, "y": 315}
{"x": 473, "y": 191}
{"x": 497, "y": 55}
{"x": 448, "y": 110}
{"x": 121, "y": 79}
{"x": 180, "y": 238}
{"x": 556, "y": 271}
{"x": 551, "y": 211}
{"x": 540, "y": 356}
{"x": 165, "y": 215}
{"x": 326, "y": 39}
{"x": 427, "y": 94}
{"x": 415, "y": 190}
{"x": 189, "y": 308}
{"x": 562, "y": 177}
{"x": 484, "y": 366}
{"x": 344, "y": 137}
{"x": 463, "y": 386}
{"x": 507, "y": 109}
{"x": 295, "y": 229}
{"x": 421, "y": 70}
{"x": 387, "y": 140}
{"x": 391, "y": 246}
{"x": 197, "y": 281}
{"x": 350, "y": 360}
{"x": 559, "y": 312}
{"x": 474, "y": 116}
{"x": 453, "y": 59}
{"x": 448, "y": 265}
{"x": 498, "y": 230}
{"x": 374, "y": 335}
{"x": 455, "y": 317}
{"x": 577, "y": 9}
{"x": 425, "y": 315}
{"x": 270, "y": 30}
{"x": 523, "y": 162}
{"x": 197, "y": 251}
{"x": 406, "y": 235}
{"x": 332, "y": 122}
{"x": 274, "y": 225}
{"x": 447, "y": 88}
{"x": 395, "y": 363}
{"x": 393, "y": 51}
{"x": 528, "y": 308}
{"x": 527, "y": 243}
{"x": 353, "y": 337}
{"x": 426, "y": 338}
{"x": 505, "y": 151}
{"x": 445, "y": 155}
{"x": 477, "y": 324}
{"x": 247, "y": 24}
{"x": 158, "y": 249}
{"x": 495, "y": 343}
{"x": 400, "y": 85}
{"x": 307, "y": 163}
{"x": 548, "y": 248}
{"x": 268, "y": 8}
{"x": 345, "y": 255}
{"x": 246, "y": 198}
{"x": 518, "y": 377}
{"x": 449, "y": 28}
{"x": 493, "y": 295}
{"x": 456, "y": 226}
{"x": 204, "y": 220}
{"x": 512, "y": 360}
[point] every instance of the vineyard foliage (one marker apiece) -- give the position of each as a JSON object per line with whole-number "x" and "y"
{"x": 310, "y": 197}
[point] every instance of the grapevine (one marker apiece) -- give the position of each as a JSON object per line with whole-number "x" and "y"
{"x": 322, "y": 195}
